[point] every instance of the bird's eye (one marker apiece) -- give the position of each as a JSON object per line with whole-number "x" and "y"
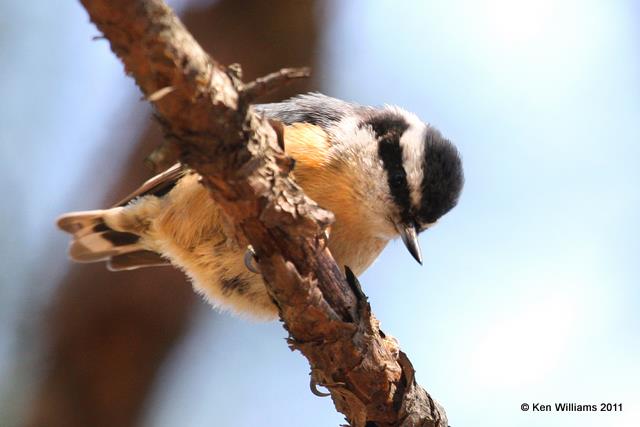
{"x": 396, "y": 179}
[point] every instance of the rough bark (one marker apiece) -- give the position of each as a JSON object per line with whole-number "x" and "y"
{"x": 206, "y": 112}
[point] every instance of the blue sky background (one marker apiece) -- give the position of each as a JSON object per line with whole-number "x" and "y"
{"x": 529, "y": 292}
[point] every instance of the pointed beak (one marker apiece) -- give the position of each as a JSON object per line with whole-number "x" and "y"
{"x": 409, "y": 237}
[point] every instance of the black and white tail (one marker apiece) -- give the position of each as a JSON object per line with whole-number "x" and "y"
{"x": 94, "y": 241}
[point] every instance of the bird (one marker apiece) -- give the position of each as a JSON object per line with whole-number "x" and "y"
{"x": 382, "y": 171}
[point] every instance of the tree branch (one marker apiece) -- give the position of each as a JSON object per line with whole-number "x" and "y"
{"x": 205, "y": 110}
{"x": 273, "y": 81}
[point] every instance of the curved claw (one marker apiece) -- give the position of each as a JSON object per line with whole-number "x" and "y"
{"x": 313, "y": 385}
{"x": 250, "y": 260}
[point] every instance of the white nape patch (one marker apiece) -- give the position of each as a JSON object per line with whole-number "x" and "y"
{"x": 358, "y": 144}
{"x": 412, "y": 143}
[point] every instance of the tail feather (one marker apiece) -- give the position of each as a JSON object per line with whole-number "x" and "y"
{"x": 94, "y": 240}
{"x": 133, "y": 260}
{"x": 100, "y": 246}
{"x": 82, "y": 223}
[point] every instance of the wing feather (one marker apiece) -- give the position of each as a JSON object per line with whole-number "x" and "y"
{"x": 311, "y": 108}
{"x": 159, "y": 185}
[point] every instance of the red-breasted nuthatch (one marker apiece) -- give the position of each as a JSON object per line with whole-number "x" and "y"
{"x": 382, "y": 171}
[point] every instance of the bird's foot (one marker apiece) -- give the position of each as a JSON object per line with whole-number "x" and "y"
{"x": 313, "y": 385}
{"x": 250, "y": 260}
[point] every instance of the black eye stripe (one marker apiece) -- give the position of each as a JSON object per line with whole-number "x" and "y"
{"x": 391, "y": 154}
{"x": 388, "y": 129}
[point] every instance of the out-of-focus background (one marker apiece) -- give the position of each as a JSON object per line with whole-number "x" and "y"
{"x": 529, "y": 292}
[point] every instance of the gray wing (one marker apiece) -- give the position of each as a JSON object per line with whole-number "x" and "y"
{"x": 158, "y": 185}
{"x": 314, "y": 108}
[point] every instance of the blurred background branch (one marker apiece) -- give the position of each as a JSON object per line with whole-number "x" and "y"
{"x": 107, "y": 334}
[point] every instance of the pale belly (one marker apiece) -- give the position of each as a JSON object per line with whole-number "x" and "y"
{"x": 186, "y": 228}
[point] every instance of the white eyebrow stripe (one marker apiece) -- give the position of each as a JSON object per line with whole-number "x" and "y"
{"x": 412, "y": 143}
